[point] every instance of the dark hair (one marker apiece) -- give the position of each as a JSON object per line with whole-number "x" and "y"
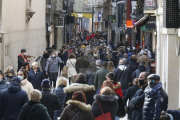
{"x": 71, "y": 55}
{"x": 142, "y": 63}
{"x": 79, "y": 96}
{"x": 24, "y": 73}
{"x": 146, "y": 74}
{"x": 1, "y": 72}
{"x": 164, "y": 116}
{"x": 92, "y": 67}
{"x": 110, "y": 75}
{"x": 104, "y": 63}
{"x": 81, "y": 76}
{"x": 138, "y": 50}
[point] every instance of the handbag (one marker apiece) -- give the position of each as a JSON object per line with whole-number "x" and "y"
{"x": 65, "y": 71}
{"x": 104, "y": 116}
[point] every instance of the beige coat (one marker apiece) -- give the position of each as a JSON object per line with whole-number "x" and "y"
{"x": 27, "y": 86}
{"x": 145, "y": 59}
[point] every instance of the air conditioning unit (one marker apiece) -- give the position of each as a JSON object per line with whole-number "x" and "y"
{"x": 171, "y": 14}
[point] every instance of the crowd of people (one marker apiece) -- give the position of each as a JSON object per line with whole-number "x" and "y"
{"x": 105, "y": 80}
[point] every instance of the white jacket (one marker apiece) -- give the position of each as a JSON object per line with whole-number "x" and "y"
{"x": 71, "y": 64}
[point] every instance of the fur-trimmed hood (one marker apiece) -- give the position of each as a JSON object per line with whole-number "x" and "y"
{"x": 106, "y": 98}
{"x": 116, "y": 86}
{"x": 80, "y": 105}
{"x": 78, "y": 87}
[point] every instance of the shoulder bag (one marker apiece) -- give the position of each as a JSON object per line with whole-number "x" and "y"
{"x": 50, "y": 65}
{"x": 104, "y": 116}
{"x": 75, "y": 116}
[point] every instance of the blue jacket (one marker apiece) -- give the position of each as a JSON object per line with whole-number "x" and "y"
{"x": 54, "y": 66}
{"x": 36, "y": 78}
{"x": 175, "y": 114}
{"x": 4, "y": 84}
{"x": 65, "y": 57}
{"x": 156, "y": 101}
{"x": 12, "y": 100}
{"x": 61, "y": 95}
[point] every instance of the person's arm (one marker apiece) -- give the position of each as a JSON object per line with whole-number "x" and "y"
{"x": 21, "y": 61}
{"x": 96, "y": 81}
{"x": 25, "y": 99}
{"x": 59, "y": 60}
{"x": 126, "y": 96}
{"x": 47, "y": 65}
{"x": 65, "y": 100}
{"x": 63, "y": 114}
{"x": 57, "y": 103}
{"x": 23, "y": 113}
{"x": 164, "y": 100}
{"x": 121, "y": 108}
{"x": 42, "y": 62}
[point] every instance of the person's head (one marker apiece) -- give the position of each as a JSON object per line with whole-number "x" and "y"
{"x": 81, "y": 54}
{"x": 110, "y": 76}
{"x": 143, "y": 79}
{"x": 107, "y": 83}
{"x": 125, "y": 55}
{"x": 153, "y": 80}
{"x": 16, "y": 79}
{"x": 104, "y": 64}
{"x": 1, "y": 75}
{"x": 133, "y": 57}
{"x": 92, "y": 67}
{"x": 124, "y": 60}
{"x": 9, "y": 71}
{"x": 79, "y": 96}
{"x": 53, "y": 53}
{"x": 138, "y": 50}
{"x": 72, "y": 56}
{"x": 62, "y": 82}
{"x": 35, "y": 95}
{"x": 34, "y": 65}
{"x": 121, "y": 61}
{"x": 110, "y": 65}
{"x": 107, "y": 91}
{"x": 23, "y": 51}
{"x": 107, "y": 51}
{"x": 46, "y": 54}
{"x": 45, "y": 84}
{"x": 142, "y": 63}
{"x": 135, "y": 81}
{"x": 22, "y": 74}
{"x": 145, "y": 53}
{"x": 81, "y": 78}
{"x": 165, "y": 116}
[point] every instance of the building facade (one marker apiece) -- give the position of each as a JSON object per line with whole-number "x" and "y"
{"x": 23, "y": 21}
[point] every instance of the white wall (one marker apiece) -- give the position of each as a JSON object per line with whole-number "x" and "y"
{"x": 20, "y": 33}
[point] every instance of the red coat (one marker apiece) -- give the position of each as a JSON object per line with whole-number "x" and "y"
{"x": 92, "y": 36}
{"x": 87, "y": 38}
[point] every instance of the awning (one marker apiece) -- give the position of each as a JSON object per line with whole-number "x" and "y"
{"x": 2, "y": 32}
{"x": 142, "y": 21}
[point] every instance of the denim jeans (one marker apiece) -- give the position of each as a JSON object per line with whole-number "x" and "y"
{"x": 97, "y": 91}
{"x": 117, "y": 118}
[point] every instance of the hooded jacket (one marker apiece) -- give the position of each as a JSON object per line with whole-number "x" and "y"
{"x": 36, "y": 78}
{"x": 145, "y": 59}
{"x": 11, "y": 101}
{"x": 108, "y": 103}
{"x": 89, "y": 91}
{"x": 27, "y": 86}
{"x": 33, "y": 111}
{"x": 61, "y": 95}
{"x": 141, "y": 68}
{"x": 75, "y": 106}
{"x": 4, "y": 84}
{"x": 50, "y": 101}
{"x": 175, "y": 114}
{"x": 123, "y": 75}
{"x": 156, "y": 101}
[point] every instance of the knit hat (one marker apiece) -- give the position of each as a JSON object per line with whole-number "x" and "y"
{"x": 16, "y": 79}
{"x": 23, "y": 50}
{"x": 45, "y": 83}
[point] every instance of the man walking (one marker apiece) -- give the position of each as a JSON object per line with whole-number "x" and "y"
{"x": 81, "y": 64}
{"x": 52, "y": 68}
{"x": 156, "y": 99}
{"x": 35, "y": 76}
{"x": 123, "y": 75}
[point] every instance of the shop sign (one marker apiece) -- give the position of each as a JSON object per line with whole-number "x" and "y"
{"x": 79, "y": 15}
{"x": 129, "y": 24}
{"x": 60, "y": 22}
{"x": 150, "y": 4}
{"x": 99, "y": 16}
{"x": 151, "y": 24}
{"x": 82, "y": 15}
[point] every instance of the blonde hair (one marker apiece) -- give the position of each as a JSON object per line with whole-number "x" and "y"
{"x": 36, "y": 95}
{"x": 7, "y": 70}
{"x": 107, "y": 91}
{"x": 62, "y": 81}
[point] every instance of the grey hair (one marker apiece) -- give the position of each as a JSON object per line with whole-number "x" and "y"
{"x": 36, "y": 63}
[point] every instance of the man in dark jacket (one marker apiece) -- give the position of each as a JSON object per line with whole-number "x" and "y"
{"x": 81, "y": 64}
{"x": 129, "y": 95}
{"x": 100, "y": 77}
{"x": 3, "y": 82}
{"x": 156, "y": 99}
{"x": 49, "y": 100}
{"x": 11, "y": 100}
{"x": 141, "y": 68}
{"x": 22, "y": 61}
{"x": 65, "y": 56}
{"x": 101, "y": 54}
{"x": 35, "y": 76}
{"x": 123, "y": 75}
{"x": 136, "y": 103}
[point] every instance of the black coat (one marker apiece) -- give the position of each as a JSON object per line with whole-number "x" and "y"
{"x": 136, "y": 103}
{"x": 156, "y": 101}
{"x": 61, "y": 95}
{"x": 133, "y": 65}
{"x": 90, "y": 77}
{"x": 101, "y": 55}
{"x": 175, "y": 114}
{"x": 50, "y": 101}
{"x": 88, "y": 90}
{"x": 140, "y": 69}
{"x": 81, "y": 65}
{"x": 34, "y": 111}
{"x": 36, "y": 78}
{"x": 121, "y": 111}
{"x": 123, "y": 75}
{"x": 21, "y": 63}
{"x": 129, "y": 95}
{"x": 12, "y": 100}
{"x": 108, "y": 103}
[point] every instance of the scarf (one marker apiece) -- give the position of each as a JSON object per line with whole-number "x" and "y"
{"x": 27, "y": 68}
